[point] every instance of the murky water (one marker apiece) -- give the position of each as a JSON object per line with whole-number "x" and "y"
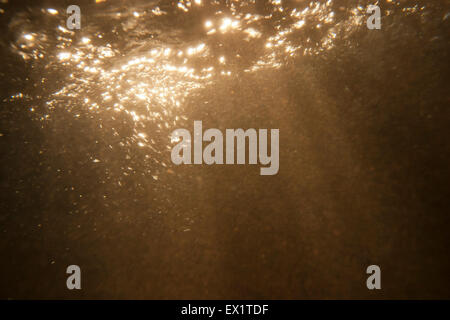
{"x": 87, "y": 178}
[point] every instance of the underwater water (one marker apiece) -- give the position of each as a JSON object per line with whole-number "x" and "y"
{"x": 85, "y": 134}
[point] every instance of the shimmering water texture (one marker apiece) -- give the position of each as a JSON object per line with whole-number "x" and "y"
{"x": 86, "y": 121}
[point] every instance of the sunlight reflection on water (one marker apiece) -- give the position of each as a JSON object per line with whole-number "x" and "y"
{"x": 137, "y": 62}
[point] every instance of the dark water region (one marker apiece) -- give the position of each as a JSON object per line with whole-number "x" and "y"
{"x": 86, "y": 175}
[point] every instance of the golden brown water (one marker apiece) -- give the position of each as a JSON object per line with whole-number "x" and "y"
{"x": 87, "y": 178}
